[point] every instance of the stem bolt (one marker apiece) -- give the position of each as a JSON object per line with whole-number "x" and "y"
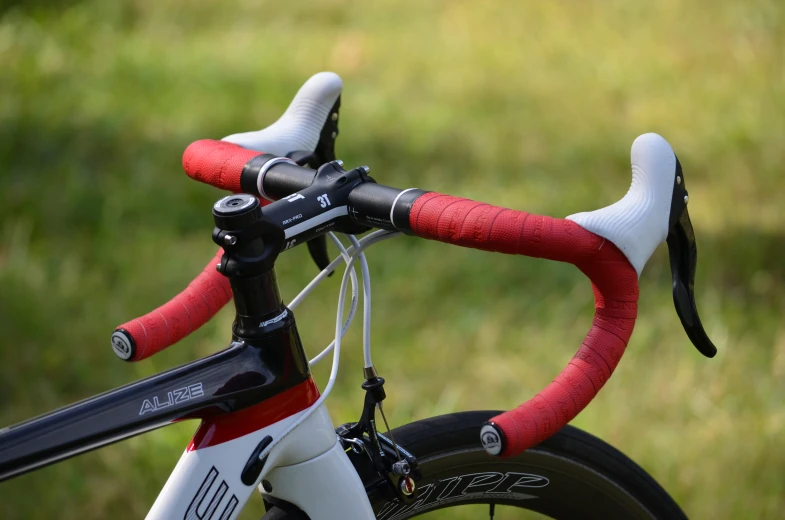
{"x": 334, "y": 117}
{"x": 686, "y": 199}
{"x": 366, "y": 169}
{"x": 230, "y": 240}
{"x": 678, "y": 179}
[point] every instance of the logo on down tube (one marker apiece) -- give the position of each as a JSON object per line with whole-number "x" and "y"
{"x": 180, "y": 395}
{"x": 473, "y": 486}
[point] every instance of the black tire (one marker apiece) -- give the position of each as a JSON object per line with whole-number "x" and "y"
{"x": 571, "y": 475}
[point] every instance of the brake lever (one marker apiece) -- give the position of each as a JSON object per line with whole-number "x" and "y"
{"x": 322, "y": 154}
{"x": 318, "y": 249}
{"x": 683, "y": 253}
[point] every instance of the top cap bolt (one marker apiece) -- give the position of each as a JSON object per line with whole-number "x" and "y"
{"x": 236, "y": 212}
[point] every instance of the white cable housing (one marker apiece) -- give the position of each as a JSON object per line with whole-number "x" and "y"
{"x": 366, "y": 303}
{"x": 354, "y": 253}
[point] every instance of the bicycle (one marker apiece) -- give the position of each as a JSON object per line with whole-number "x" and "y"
{"x": 264, "y": 424}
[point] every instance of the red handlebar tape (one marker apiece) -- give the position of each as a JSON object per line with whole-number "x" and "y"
{"x": 217, "y": 163}
{"x": 171, "y": 322}
{"x": 476, "y": 225}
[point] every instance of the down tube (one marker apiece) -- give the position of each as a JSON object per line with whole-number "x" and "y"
{"x": 206, "y": 483}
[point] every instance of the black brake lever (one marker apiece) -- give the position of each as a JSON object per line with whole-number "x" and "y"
{"x": 318, "y": 249}
{"x": 324, "y": 153}
{"x": 683, "y": 253}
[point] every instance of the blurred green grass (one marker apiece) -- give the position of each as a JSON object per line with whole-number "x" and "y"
{"x": 528, "y": 105}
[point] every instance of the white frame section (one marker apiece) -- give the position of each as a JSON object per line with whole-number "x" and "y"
{"x": 311, "y": 471}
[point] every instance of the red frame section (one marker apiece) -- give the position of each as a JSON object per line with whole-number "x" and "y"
{"x": 224, "y": 428}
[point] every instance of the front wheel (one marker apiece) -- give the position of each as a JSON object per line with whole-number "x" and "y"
{"x": 570, "y": 475}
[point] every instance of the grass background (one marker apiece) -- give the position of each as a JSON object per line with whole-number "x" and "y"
{"x": 532, "y": 105}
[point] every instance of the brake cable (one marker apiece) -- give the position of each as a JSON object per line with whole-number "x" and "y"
{"x": 335, "y": 346}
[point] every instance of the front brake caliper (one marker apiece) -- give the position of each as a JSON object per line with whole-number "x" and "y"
{"x": 398, "y": 469}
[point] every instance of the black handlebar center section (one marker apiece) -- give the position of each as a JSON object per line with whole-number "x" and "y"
{"x": 383, "y": 207}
